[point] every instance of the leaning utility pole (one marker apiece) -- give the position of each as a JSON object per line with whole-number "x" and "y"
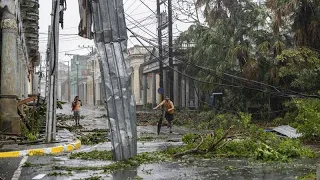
{"x": 161, "y": 90}
{"x": 111, "y": 41}
{"x": 170, "y": 50}
{"x": 160, "y": 46}
{"x": 53, "y": 72}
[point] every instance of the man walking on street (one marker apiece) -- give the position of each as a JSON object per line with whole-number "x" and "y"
{"x": 76, "y": 109}
{"x": 169, "y": 108}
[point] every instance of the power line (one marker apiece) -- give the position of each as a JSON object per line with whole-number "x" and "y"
{"x": 154, "y": 35}
{"x": 245, "y": 79}
{"x": 281, "y": 94}
{"x": 147, "y": 7}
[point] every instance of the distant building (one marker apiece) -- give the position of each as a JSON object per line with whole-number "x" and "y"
{"x": 137, "y": 56}
{"x": 78, "y": 75}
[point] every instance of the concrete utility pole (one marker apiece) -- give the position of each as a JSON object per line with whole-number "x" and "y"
{"x": 69, "y": 84}
{"x": 10, "y": 120}
{"x": 111, "y": 41}
{"x": 53, "y": 72}
{"x": 47, "y": 64}
{"x": 77, "y": 63}
{"x": 170, "y": 51}
{"x": 160, "y": 47}
{"x": 93, "y": 83}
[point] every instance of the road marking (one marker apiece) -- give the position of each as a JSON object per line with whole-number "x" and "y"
{"x": 39, "y": 176}
{"x": 17, "y": 173}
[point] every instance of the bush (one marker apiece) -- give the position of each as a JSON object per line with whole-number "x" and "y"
{"x": 304, "y": 115}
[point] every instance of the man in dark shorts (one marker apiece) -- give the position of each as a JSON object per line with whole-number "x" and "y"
{"x": 76, "y": 109}
{"x": 169, "y": 108}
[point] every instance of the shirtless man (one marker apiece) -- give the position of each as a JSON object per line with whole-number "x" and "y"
{"x": 76, "y": 109}
{"x": 169, "y": 108}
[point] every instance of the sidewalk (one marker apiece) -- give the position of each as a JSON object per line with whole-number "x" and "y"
{"x": 66, "y": 142}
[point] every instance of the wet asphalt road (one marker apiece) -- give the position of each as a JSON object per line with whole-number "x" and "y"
{"x": 225, "y": 169}
{"x": 8, "y": 167}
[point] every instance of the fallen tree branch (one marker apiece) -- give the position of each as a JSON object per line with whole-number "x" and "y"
{"x": 213, "y": 146}
{"x": 191, "y": 151}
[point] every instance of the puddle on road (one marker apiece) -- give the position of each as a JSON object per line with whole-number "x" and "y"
{"x": 192, "y": 169}
{"x": 224, "y": 169}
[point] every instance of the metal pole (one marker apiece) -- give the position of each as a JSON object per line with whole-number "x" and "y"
{"x": 47, "y": 64}
{"x": 77, "y": 63}
{"x": 56, "y": 45}
{"x": 69, "y": 92}
{"x": 48, "y": 87}
{"x": 93, "y": 84}
{"x": 153, "y": 90}
{"x": 160, "y": 48}
{"x": 53, "y": 73}
{"x": 170, "y": 50}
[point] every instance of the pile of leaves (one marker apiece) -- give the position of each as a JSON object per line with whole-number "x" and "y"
{"x": 94, "y": 138}
{"x": 241, "y": 139}
{"x": 93, "y": 155}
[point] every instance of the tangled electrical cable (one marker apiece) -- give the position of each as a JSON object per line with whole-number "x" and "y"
{"x": 278, "y": 93}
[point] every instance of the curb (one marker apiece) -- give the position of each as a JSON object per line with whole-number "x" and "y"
{"x": 42, "y": 151}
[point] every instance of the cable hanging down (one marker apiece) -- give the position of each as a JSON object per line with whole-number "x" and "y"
{"x": 278, "y": 93}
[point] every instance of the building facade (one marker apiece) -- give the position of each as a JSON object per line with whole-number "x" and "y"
{"x": 137, "y": 55}
{"x": 19, "y": 57}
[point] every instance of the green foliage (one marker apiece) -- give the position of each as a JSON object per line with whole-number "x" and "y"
{"x": 92, "y": 155}
{"x": 255, "y": 143}
{"x": 301, "y": 67}
{"x": 93, "y": 178}
{"x": 188, "y": 139}
{"x": 151, "y": 137}
{"x": 94, "y": 138}
{"x": 143, "y": 158}
{"x": 60, "y": 103}
{"x": 59, "y": 174}
{"x": 310, "y": 176}
{"x": 266, "y": 153}
{"x": 238, "y": 148}
{"x": 245, "y": 119}
{"x": 308, "y": 118}
{"x": 27, "y": 164}
{"x": 292, "y": 148}
{"x": 31, "y": 136}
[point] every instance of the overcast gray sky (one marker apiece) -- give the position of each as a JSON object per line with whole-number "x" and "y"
{"x": 70, "y": 43}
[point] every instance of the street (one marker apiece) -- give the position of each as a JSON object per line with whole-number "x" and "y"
{"x": 42, "y": 167}
{"x": 61, "y": 166}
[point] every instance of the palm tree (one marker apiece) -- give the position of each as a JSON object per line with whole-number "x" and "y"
{"x": 302, "y": 15}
